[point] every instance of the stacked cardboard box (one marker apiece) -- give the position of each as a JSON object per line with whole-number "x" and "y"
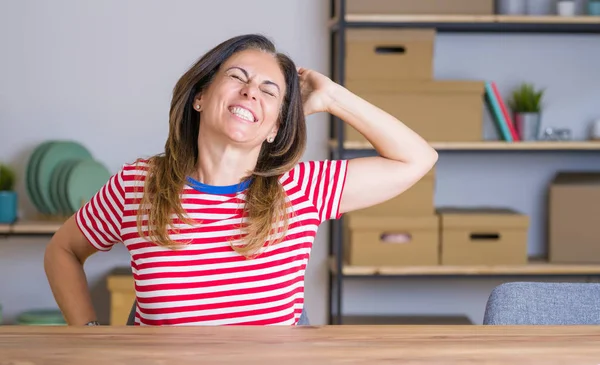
{"x": 401, "y": 231}
{"x": 483, "y": 236}
{"x": 451, "y": 236}
{"x": 421, "y": 7}
{"x": 574, "y": 212}
{"x": 393, "y": 69}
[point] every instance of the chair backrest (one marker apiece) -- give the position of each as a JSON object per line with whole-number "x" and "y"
{"x": 532, "y": 303}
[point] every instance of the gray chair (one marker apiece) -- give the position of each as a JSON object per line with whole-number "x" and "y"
{"x": 531, "y": 303}
{"x": 303, "y": 321}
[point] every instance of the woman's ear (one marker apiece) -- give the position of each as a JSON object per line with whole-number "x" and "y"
{"x": 198, "y": 102}
{"x": 273, "y": 134}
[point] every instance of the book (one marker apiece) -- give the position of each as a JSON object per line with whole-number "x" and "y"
{"x": 507, "y": 118}
{"x": 496, "y": 112}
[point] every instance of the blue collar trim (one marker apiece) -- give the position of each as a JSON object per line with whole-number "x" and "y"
{"x": 212, "y": 189}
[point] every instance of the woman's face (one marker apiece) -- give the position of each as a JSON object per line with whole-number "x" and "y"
{"x": 244, "y": 100}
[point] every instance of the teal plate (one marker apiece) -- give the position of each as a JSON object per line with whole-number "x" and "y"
{"x": 31, "y": 176}
{"x": 62, "y": 188}
{"x": 41, "y": 318}
{"x": 84, "y": 180}
{"x": 56, "y": 153}
{"x": 56, "y": 187}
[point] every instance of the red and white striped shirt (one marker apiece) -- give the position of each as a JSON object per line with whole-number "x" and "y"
{"x": 207, "y": 282}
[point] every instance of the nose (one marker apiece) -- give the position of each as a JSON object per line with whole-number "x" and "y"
{"x": 249, "y": 91}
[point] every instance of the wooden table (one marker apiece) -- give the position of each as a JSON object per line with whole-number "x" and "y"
{"x": 300, "y": 345}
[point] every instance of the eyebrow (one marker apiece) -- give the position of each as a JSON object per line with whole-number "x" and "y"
{"x": 268, "y": 82}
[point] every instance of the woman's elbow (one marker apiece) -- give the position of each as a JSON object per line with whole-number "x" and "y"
{"x": 428, "y": 159}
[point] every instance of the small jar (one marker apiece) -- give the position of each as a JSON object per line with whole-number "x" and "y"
{"x": 565, "y": 7}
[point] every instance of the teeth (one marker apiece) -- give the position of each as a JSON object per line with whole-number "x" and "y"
{"x": 243, "y": 113}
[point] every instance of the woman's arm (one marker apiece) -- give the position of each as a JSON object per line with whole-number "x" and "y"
{"x": 63, "y": 262}
{"x": 404, "y": 158}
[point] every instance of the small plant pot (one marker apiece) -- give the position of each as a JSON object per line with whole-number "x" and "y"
{"x": 594, "y": 7}
{"x": 8, "y": 207}
{"x": 528, "y": 126}
{"x": 565, "y": 7}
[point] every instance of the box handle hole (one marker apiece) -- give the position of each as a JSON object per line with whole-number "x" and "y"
{"x": 390, "y": 50}
{"x": 390, "y": 237}
{"x": 485, "y": 236}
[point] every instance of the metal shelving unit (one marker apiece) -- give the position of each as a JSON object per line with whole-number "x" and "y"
{"x": 340, "y": 21}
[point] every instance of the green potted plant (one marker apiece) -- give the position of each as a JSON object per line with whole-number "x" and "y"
{"x": 526, "y": 105}
{"x": 8, "y": 196}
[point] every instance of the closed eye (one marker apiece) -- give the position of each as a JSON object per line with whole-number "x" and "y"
{"x": 238, "y": 78}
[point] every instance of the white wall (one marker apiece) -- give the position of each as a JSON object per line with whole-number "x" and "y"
{"x": 102, "y": 72}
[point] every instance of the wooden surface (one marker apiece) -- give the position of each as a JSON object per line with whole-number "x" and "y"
{"x": 34, "y": 226}
{"x": 300, "y": 345}
{"x": 433, "y": 18}
{"x": 579, "y": 19}
{"x": 493, "y": 145}
{"x": 533, "y": 268}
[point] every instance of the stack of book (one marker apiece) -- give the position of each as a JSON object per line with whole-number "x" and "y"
{"x": 500, "y": 113}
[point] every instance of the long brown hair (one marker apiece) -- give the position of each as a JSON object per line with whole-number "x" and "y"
{"x": 266, "y": 201}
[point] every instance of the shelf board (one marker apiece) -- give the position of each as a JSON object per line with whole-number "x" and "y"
{"x": 31, "y": 227}
{"x": 492, "y": 145}
{"x": 502, "y": 19}
{"x": 4, "y": 228}
{"x": 477, "y": 23}
{"x": 548, "y": 19}
{"x": 535, "y": 267}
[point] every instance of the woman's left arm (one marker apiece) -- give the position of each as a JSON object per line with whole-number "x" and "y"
{"x": 405, "y": 157}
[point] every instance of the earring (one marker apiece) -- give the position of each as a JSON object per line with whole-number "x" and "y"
{"x": 198, "y": 107}
{"x": 270, "y": 139}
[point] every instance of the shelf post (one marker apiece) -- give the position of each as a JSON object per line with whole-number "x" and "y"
{"x": 337, "y": 71}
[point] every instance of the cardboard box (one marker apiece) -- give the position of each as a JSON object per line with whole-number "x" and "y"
{"x": 121, "y": 286}
{"x": 439, "y": 111}
{"x": 391, "y": 241}
{"x": 573, "y": 219}
{"x": 484, "y": 236}
{"x": 418, "y": 200}
{"x": 429, "y": 7}
{"x": 389, "y": 54}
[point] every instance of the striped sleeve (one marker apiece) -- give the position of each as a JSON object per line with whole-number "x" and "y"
{"x": 323, "y": 183}
{"x": 100, "y": 218}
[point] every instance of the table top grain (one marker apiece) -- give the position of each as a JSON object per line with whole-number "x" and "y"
{"x": 303, "y": 345}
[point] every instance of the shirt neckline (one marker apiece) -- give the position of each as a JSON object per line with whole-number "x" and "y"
{"x": 216, "y": 189}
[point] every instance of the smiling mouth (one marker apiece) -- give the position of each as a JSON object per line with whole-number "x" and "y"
{"x": 243, "y": 113}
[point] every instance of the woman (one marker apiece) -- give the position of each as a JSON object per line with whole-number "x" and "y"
{"x": 232, "y": 210}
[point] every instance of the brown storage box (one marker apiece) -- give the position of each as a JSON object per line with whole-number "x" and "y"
{"x": 439, "y": 111}
{"x": 391, "y": 241}
{"x": 418, "y": 200}
{"x": 574, "y": 218}
{"x": 122, "y": 295}
{"x": 389, "y": 54}
{"x": 436, "y": 7}
{"x": 483, "y": 236}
